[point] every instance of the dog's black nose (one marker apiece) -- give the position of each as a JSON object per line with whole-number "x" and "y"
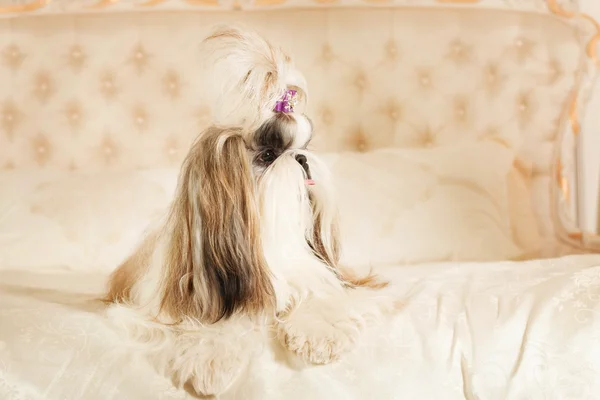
{"x": 301, "y": 159}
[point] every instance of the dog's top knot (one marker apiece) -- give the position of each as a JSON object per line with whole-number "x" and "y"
{"x": 287, "y": 102}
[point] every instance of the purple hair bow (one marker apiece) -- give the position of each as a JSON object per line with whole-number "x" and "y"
{"x": 287, "y": 102}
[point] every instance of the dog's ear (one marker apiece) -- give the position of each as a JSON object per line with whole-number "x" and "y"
{"x": 325, "y": 241}
{"x": 214, "y": 258}
{"x": 324, "y": 235}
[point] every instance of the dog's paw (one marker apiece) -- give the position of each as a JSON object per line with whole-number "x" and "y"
{"x": 317, "y": 340}
{"x": 214, "y": 376}
{"x": 207, "y": 369}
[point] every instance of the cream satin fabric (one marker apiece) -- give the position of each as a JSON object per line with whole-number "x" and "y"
{"x": 495, "y": 331}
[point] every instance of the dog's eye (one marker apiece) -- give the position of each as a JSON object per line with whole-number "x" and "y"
{"x": 267, "y": 156}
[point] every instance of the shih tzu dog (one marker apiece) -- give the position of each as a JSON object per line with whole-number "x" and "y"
{"x": 250, "y": 239}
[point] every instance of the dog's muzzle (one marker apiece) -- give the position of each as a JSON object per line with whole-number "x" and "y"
{"x": 301, "y": 158}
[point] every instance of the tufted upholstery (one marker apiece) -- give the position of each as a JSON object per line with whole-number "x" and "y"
{"x": 74, "y": 97}
{"x": 121, "y": 91}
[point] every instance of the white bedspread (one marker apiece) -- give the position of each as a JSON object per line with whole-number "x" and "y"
{"x": 528, "y": 330}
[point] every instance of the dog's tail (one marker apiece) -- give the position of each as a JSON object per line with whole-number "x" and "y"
{"x": 247, "y": 76}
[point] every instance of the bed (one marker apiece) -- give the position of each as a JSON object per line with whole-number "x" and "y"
{"x": 469, "y": 331}
{"x": 451, "y": 128}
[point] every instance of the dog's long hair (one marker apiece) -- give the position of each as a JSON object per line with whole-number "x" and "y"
{"x": 253, "y": 225}
{"x": 212, "y": 268}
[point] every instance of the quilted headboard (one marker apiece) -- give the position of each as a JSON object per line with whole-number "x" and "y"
{"x": 108, "y": 84}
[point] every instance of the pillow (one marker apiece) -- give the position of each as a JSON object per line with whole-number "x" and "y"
{"x": 78, "y": 220}
{"x": 397, "y": 206}
{"x": 437, "y": 204}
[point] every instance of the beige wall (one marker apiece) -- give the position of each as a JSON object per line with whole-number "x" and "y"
{"x": 590, "y": 170}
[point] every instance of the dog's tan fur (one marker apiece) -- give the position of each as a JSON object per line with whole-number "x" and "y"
{"x": 123, "y": 279}
{"x": 215, "y": 204}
